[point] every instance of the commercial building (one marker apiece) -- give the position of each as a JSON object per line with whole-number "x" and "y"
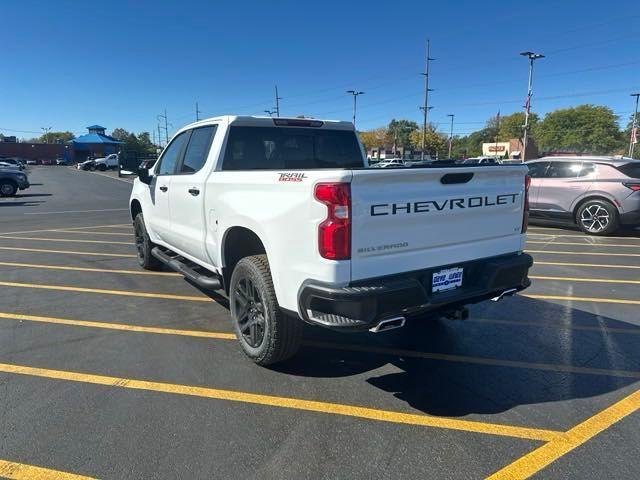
{"x": 510, "y": 150}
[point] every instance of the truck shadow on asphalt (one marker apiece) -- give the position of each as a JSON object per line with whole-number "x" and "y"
{"x": 442, "y": 366}
{"x": 507, "y": 354}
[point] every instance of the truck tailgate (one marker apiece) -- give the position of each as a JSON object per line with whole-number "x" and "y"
{"x": 412, "y": 219}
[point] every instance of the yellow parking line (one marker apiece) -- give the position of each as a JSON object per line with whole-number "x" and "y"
{"x": 586, "y": 237}
{"x": 593, "y": 280}
{"x": 68, "y": 228}
{"x": 585, "y": 244}
{"x": 595, "y": 265}
{"x": 119, "y": 326}
{"x": 21, "y": 471}
{"x": 585, "y": 253}
{"x": 75, "y": 240}
{"x": 67, "y": 252}
{"x": 543, "y": 456}
{"x": 125, "y": 293}
{"x": 87, "y": 269}
{"x": 288, "y": 403}
{"x": 91, "y": 232}
{"x": 582, "y": 299}
{"x": 335, "y": 346}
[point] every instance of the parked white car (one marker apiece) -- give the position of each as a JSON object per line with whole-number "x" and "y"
{"x": 284, "y": 216}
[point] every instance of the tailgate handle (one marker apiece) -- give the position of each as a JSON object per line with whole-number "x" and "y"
{"x": 450, "y": 178}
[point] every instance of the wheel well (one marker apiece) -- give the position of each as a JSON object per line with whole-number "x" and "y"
{"x": 588, "y": 199}
{"x": 9, "y": 180}
{"x": 239, "y": 242}
{"x": 136, "y": 208}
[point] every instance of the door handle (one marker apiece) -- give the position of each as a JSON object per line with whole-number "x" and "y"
{"x": 163, "y": 188}
{"x": 194, "y": 191}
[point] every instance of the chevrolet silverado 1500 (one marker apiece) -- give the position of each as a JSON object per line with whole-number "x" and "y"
{"x": 285, "y": 216}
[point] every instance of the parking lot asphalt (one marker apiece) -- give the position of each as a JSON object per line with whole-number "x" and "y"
{"x": 109, "y": 371}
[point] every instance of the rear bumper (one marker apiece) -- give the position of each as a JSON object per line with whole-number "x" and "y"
{"x": 363, "y": 304}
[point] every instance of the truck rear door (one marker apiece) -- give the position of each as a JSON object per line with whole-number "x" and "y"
{"x": 412, "y": 219}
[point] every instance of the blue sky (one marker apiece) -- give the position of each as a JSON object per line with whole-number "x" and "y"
{"x": 69, "y": 64}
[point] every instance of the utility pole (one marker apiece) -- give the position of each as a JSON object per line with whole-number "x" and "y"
{"x": 451, "y": 134}
{"x": 425, "y": 107}
{"x": 166, "y": 127}
{"x": 277, "y": 102}
{"x": 198, "y": 112}
{"x": 531, "y": 56}
{"x": 355, "y": 94}
{"x": 46, "y": 131}
{"x": 159, "y": 136}
{"x": 634, "y": 127}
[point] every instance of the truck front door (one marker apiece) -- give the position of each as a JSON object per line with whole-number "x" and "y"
{"x": 186, "y": 198}
{"x": 160, "y": 186}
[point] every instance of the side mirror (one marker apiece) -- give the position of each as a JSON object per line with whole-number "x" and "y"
{"x": 143, "y": 175}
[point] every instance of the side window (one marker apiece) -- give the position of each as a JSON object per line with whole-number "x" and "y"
{"x": 586, "y": 169}
{"x": 564, "y": 170}
{"x": 172, "y": 154}
{"x": 536, "y": 170}
{"x": 198, "y": 149}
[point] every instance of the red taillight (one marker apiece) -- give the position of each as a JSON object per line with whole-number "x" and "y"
{"x": 525, "y": 213}
{"x": 633, "y": 186}
{"x": 334, "y": 233}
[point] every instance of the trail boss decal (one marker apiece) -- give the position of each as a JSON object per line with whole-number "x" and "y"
{"x": 291, "y": 177}
{"x": 428, "y": 206}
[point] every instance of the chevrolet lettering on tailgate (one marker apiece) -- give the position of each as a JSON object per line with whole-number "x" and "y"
{"x": 447, "y": 204}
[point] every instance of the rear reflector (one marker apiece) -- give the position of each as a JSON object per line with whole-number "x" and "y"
{"x": 334, "y": 233}
{"x": 525, "y": 213}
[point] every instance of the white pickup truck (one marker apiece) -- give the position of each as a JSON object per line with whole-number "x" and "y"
{"x": 104, "y": 163}
{"x": 286, "y": 218}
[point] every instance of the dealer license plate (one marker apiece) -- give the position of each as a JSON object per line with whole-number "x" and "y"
{"x": 447, "y": 279}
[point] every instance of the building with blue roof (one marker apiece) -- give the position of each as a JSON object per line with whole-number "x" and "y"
{"x": 96, "y": 143}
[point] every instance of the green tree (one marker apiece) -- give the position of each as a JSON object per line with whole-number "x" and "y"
{"x": 376, "y": 138}
{"x": 55, "y": 137}
{"x": 583, "y": 129}
{"x": 436, "y": 144}
{"x": 511, "y": 125}
{"x": 400, "y": 132}
{"x": 120, "y": 134}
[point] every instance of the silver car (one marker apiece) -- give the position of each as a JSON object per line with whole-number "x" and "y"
{"x": 598, "y": 194}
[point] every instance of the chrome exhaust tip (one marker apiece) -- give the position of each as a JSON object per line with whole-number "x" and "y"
{"x": 506, "y": 293}
{"x": 388, "y": 324}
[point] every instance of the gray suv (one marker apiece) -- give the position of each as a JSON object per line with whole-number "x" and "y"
{"x": 598, "y": 194}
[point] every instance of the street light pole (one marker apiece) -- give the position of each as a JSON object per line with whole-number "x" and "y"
{"x": 46, "y": 131}
{"x": 355, "y": 94}
{"x": 531, "y": 56}
{"x": 451, "y": 134}
{"x": 634, "y": 127}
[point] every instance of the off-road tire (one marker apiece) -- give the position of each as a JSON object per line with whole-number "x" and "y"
{"x": 8, "y": 188}
{"x": 594, "y": 207}
{"x": 281, "y": 333}
{"x": 102, "y": 167}
{"x": 144, "y": 245}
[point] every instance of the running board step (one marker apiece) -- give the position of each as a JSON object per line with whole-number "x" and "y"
{"x": 204, "y": 281}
